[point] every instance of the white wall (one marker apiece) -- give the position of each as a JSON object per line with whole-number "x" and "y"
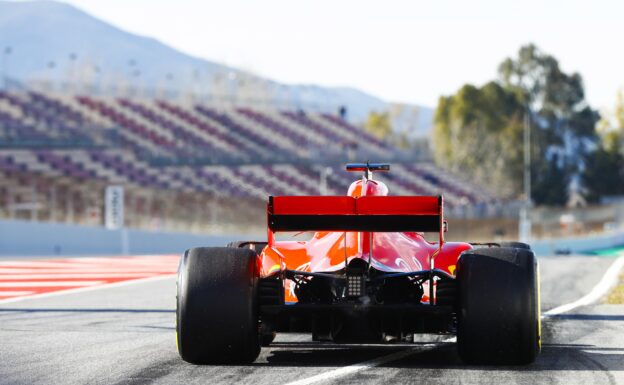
{"x": 577, "y": 245}
{"x": 24, "y": 238}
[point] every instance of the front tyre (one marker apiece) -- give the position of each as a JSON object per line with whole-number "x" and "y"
{"x": 216, "y": 312}
{"x": 498, "y": 306}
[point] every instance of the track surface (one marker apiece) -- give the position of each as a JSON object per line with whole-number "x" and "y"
{"x": 125, "y": 335}
{"x": 36, "y": 277}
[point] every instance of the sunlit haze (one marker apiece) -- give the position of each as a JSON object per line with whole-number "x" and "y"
{"x": 399, "y": 50}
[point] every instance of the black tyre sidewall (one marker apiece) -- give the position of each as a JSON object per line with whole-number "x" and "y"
{"x": 498, "y": 306}
{"x": 515, "y": 245}
{"x": 216, "y": 310}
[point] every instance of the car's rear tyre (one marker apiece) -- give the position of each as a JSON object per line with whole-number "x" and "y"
{"x": 446, "y": 292}
{"x": 267, "y": 339}
{"x": 515, "y": 245}
{"x": 498, "y": 306}
{"x": 216, "y": 312}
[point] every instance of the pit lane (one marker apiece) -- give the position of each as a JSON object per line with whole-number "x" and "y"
{"x": 125, "y": 335}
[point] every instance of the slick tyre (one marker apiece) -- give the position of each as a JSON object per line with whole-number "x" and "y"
{"x": 267, "y": 339}
{"x": 515, "y": 245}
{"x": 216, "y": 312}
{"x": 498, "y": 306}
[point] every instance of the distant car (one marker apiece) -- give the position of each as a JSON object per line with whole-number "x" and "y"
{"x": 366, "y": 275}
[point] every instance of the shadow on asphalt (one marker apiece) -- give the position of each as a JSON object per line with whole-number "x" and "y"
{"x": 554, "y": 357}
{"x": 563, "y": 357}
{"x": 324, "y": 357}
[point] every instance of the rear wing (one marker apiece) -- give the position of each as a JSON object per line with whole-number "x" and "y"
{"x": 344, "y": 213}
{"x": 363, "y": 214}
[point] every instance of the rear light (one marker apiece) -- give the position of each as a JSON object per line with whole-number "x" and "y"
{"x": 355, "y": 285}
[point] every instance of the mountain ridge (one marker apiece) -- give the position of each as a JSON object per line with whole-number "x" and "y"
{"x": 56, "y": 43}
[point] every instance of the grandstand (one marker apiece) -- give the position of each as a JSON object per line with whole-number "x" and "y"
{"x": 185, "y": 166}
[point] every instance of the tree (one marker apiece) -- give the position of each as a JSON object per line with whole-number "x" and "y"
{"x": 378, "y": 124}
{"x": 604, "y": 171}
{"x": 619, "y": 110}
{"x": 475, "y": 132}
{"x": 479, "y": 130}
{"x": 563, "y": 124}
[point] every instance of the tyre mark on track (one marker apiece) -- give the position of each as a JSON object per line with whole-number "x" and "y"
{"x": 149, "y": 374}
{"x": 595, "y": 363}
{"x": 346, "y": 370}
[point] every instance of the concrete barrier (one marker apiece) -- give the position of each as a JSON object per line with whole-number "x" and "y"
{"x": 25, "y": 238}
{"x": 577, "y": 245}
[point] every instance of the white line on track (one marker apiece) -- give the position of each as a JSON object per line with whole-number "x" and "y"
{"x": 366, "y": 364}
{"x": 40, "y": 264}
{"x": 50, "y": 283}
{"x": 135, "y": 260}
{"x": 608, "y": 280}
{"x": 77, "y": 274}
{"x": 609, "y": 352}
{"x": 88, "y": 288}
{"x": 126, "y": 261}
{"x": 4, "y": 272}
{"x": 13, "y": 293}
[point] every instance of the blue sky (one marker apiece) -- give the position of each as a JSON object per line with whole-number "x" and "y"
{"x": 411, "y": 51}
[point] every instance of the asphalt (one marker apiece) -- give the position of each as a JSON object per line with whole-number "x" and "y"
{"x": 125, "y": 335}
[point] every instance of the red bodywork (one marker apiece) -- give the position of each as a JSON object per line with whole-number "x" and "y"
{"x": 328, "y": 251}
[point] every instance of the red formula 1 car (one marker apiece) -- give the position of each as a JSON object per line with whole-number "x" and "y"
{"x": 366, "y": 275}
